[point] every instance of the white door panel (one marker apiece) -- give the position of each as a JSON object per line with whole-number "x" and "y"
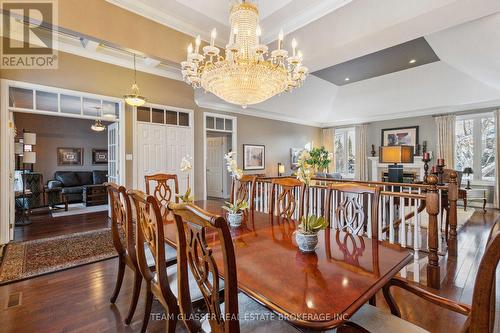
{"x": 113, "y": 153}
{"x": 151, "y": 151}
{"x": 215, "y": 171}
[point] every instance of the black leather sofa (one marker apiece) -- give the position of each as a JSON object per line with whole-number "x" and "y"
{"x": 73, "y": 182}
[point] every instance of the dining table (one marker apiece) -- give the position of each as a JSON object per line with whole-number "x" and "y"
{"x": 318, "y": 290}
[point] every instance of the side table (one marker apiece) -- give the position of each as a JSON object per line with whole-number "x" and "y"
{"x": 475, "y": 195}
{"x": 95, "y": 195}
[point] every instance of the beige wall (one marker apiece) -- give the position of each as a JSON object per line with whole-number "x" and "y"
{"x": 82, "y": 74}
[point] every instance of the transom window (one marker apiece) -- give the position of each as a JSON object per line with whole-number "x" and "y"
{"x": 475, "y": 145}
{"x": 344, "y": 153}
{"x": 162, "y": 116}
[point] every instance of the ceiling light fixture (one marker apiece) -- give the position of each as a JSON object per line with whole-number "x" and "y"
{"x": 245, "y": 75}
{"x": 135, "y": 98}
{"x": 98, "y": 126}
{"x": 346, "y": 79}
{"x": 412, "y": 61}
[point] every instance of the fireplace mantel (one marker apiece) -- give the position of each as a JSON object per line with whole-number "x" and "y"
{"x": 417, "y": 166}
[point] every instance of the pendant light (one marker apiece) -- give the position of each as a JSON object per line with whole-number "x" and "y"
{"x": 98, "y": 126}
{"x": 134, "y": 98}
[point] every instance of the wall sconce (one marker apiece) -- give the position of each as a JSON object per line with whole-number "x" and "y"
{"x": 281, "y": 169}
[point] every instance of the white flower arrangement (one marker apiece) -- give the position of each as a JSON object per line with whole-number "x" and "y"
{"x": 232, "y": 165}
{"x": 186, "y": 167}
{"x": 306, "y": 170}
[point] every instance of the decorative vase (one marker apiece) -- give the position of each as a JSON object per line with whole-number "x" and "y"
{"x": 235, "y": 219}
{"x": 306, "y": 242}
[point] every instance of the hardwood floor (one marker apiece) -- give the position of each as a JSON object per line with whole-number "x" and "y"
{"x": 77, "y": 300}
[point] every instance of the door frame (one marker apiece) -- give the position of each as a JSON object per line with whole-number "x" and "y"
{"x": 7, "y": 208}
{"x": 135, "y": 122}
{"x": 234, "y": 141}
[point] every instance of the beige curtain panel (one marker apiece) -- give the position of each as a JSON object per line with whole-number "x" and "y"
{"x": 329, "y": 144}
{"x": 361, "y": 166}
{"x": 497, "y": 154}
{"x": 445, "y": 127}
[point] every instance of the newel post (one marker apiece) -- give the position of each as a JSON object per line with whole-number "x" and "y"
{"x": 452, "y": 214}
{"x": 432, "y": 204}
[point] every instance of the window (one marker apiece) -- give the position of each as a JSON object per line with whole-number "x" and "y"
{"x": 475, "y": 145}
{"x": 344, "y": 155}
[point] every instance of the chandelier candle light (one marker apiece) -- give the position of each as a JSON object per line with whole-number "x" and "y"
{"x": 246, "y": 75}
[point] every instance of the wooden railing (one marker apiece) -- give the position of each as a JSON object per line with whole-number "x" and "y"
{"x": 404, "y": 211}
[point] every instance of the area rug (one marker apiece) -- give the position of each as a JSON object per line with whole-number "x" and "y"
{"x": 79, "y": 208}
{"x": 24, "y": 260}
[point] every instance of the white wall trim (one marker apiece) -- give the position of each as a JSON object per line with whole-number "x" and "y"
{"x": 7, "y": 211}
{"x": 234, "y": 142}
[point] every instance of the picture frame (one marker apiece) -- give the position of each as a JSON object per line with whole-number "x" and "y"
{"x": 400, "y": 136}
{"x": 294, "y": 157}
{"x": 99, "y": 156}
{"x": 254, "y": 157}
{"x": 68, "y": 156}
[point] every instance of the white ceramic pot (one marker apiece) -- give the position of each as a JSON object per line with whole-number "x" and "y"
{"x": 306, "y": 242}
{"x": 235, "y": 219}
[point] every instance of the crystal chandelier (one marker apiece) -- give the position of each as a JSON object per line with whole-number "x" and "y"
{"x": 246, "y": 74}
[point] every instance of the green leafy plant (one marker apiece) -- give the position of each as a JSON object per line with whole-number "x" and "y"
{"x": 312, "y": 224}
{"x": 320, "y": 158}
{"x": 186, "y": 198}
{"x": 237, "y": 207}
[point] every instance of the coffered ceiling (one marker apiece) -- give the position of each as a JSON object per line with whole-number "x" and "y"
{"x": 455, "y": 44}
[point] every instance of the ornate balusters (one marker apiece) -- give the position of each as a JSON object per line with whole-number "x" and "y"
{"x": 433, "y": 274}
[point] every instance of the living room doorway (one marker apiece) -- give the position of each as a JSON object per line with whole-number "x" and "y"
{"x": 60, "y": 147}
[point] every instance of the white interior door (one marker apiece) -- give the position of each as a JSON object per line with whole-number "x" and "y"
{"x": 151, "y": 151}
{"x": 215, "y": 166}
{"x": 179, "y": 145}
{"x": 113, "y": 153}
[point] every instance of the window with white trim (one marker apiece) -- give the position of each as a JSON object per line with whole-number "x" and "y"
{"x": 344, "y": 153}
{"x": 475, "y": 145}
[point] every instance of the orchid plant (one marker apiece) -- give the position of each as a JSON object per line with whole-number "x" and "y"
{"x": 186, "y": 167}
{"x": 232, "y": 165}
{"x": 237, "y": 207}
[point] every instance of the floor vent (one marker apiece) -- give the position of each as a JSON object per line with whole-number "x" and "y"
{"x": 14, "y": 300}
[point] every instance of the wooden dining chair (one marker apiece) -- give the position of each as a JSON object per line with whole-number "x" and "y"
{"x": 197, "y": 256}
{"x": 163, "y": 187}
{"x": 122, "y": 231}
{"x": 285, "y": 192}
{"x": 346, "y": 203}
{"x": 244, "y": 189}
{"x": 160, "y": 276}
{"x": 480, "y": 316}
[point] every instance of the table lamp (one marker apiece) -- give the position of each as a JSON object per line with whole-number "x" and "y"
{"x": 281, "y": 169}
{"x": 394, "y": 155}
{"x": 468, "y": 171}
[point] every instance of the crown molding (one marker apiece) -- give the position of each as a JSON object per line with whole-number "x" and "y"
{"x": 254, "y": 112}
{"x": 416, "y": 113}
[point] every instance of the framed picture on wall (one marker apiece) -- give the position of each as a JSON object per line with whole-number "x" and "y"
{"x": 254, "y": 157}
{"x": 99, "y": 156}
{"x": 294, "y": 157}
{"x": 69, "y": 156}
{"x": 407, "y": 136}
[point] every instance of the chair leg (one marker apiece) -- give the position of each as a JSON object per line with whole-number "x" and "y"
{"x": 135, "y": 296}
{"x": 119, "y": 280}
{"x": 172, "y": 321}
{"x": 147, "y": 311}
{"x": 373, "y": 301}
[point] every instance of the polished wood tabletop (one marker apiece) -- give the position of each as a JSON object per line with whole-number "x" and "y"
{"x": 318, "y": 290}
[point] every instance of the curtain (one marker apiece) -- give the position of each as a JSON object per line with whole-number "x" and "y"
{"x": 360, "y": 142}
{"x": 497, "y": 155}
{"x": 445, "y": 127}
{"x": 328, "y": 143}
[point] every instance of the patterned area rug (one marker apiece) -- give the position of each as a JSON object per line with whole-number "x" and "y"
{"x": 42, "y": 256}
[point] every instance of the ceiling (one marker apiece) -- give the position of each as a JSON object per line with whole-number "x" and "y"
{"x": 371, "y": 42}
{"x": 407, "y": 55}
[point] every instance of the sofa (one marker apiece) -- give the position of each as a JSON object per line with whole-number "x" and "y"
{"x": 334, "y": 175}
{"x": 73, "y": 182}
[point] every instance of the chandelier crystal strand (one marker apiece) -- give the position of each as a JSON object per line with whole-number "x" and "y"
{"x": 247, "y": 74}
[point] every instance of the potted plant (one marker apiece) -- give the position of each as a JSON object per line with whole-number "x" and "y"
{"x": 320, "y": 159}
{"x": 307, "y": 234}
{"x": 235, "y": 212}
